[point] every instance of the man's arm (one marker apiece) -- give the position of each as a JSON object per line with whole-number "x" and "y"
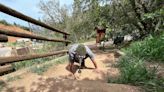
{"x": 96, "y": 68}
{"x": 92, "y": 56}
{"x": 71, "y": 61}
{"x": 94, "y": 63}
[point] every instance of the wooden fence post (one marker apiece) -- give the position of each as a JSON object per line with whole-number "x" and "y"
{"x": 65, "y": 38}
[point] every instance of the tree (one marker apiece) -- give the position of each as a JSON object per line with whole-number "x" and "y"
{"x": 121, "y": 16}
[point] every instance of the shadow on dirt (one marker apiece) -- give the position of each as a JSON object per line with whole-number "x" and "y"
{"x": 65, "y": 85}
{"x": 62, "y": 85}
{"x": 75, "y": 68}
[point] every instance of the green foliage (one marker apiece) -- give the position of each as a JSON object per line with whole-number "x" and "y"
{"x": 39, "y": 70}
{"x": 2, "y": 85}
{"x": 9, "y": 79}
{"x": 11, "y": 44}
{"x": 4, "y": 22}
{"x": 156, "y": 14}
{"x": 151, "y": 49}
{"x": 46, "y": 48}
{"x": 132, "y": 66}
{"x": 8, "y": 24}
{"x": 133, "y": 71}
{"x": 125, "y": 16}
{"x": 28, "y": 63}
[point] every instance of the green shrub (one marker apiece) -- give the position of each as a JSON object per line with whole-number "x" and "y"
{"x": 39, "y": 70}
{"x": 133, "y": 70}
{"x": 151, "y": 49}
{"x": 132, "y": 66}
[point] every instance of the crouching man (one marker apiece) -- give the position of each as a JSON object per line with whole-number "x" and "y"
{"x": 78, "y": 53}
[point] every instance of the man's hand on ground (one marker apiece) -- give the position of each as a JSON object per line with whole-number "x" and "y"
{"x": 73, "y": 76}
{"x": 96, "y": 70}
{"x": 84, "y": 67}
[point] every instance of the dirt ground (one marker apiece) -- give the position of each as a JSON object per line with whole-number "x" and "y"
{"x": 59, "y": 79}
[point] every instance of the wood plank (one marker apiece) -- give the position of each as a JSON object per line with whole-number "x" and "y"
{"x": 5, "y": 68}
{"x": 32, "y": 36}
{"x": 4, "y": 60}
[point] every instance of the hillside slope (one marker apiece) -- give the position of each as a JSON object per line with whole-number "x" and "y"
{"x": 13, "y": 28}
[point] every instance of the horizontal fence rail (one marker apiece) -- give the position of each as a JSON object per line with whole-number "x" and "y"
{"x": 19, "y": 15}
{"x": 5, "y": 33}
{"x": 25, "y": 35}
{"x": 5, "y": 68}
{"x": 3, "y": 38}
{"x": 4, "y": 60}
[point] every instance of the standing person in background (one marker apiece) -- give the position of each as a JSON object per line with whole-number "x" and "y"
{"x": 100, "y": 33}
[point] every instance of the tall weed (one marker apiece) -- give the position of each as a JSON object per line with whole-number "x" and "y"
{"x": 151, "y": 49}
{"x": 132, "y": 66}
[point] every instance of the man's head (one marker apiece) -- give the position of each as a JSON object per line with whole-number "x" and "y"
{"x": 81, "y": 50}
{"x": 80, "y": 53}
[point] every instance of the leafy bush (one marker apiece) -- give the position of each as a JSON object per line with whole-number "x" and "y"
{"x": 152, "y": 48}
{"x": 132, "y": 66}
{"x": 133, "y": 71}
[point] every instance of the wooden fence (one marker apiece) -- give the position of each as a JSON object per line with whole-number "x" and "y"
{"x": 6, "y": 61}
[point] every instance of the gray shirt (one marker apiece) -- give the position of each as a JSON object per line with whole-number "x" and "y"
{"x": 72, "y": 50}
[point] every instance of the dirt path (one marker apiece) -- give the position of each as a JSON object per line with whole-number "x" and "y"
{"x": 103, "y": 60}
{"x": 58, "y": 79}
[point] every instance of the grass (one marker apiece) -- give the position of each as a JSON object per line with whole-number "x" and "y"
{"x": 132, "y": 66}
{"x": 151, "y": 49}
{"x": 9, "y": 79}
{"x": 83, "y": 41}
{"x": 39, "y": 69}
{"x": 134, "y": 72}
{"x": 28, "y": 63}
{"x": 2, "y": 85}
